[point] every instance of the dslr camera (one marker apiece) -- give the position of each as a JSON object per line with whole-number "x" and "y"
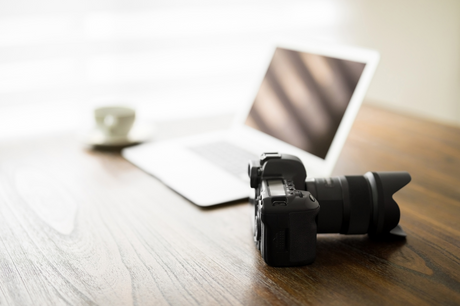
{"x": 289, "y": 209}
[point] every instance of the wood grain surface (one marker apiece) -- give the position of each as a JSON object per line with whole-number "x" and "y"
{"x": 82, "y": 227}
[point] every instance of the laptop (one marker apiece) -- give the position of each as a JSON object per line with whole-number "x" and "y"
{"x": 305, "y": 105}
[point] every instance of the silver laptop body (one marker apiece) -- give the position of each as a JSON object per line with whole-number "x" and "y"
{"x": 305, "y": 105}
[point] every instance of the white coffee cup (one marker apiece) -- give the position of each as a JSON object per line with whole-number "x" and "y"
{"x": 115, "y": 121}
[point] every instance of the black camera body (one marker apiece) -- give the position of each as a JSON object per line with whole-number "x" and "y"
{"x": 285, "y": 217}
{"x": 287, "y": 214}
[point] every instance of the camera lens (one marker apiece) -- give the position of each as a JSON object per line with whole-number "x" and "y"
{"x": 358, "y": 204}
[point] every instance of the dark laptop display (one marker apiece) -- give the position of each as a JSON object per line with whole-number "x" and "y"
{"x": 303, "y": 98}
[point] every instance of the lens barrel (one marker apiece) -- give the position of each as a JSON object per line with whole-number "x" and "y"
{"x": 358, "y": 204}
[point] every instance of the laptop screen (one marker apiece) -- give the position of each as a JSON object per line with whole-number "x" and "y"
{"x": 303, "y": 98}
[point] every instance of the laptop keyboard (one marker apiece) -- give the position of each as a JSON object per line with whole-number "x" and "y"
{"x": 227, "y": 156}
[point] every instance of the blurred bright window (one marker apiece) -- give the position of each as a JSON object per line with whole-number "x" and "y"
{"x": 166, "y": 58}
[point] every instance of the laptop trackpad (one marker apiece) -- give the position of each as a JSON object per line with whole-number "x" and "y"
{"x": 189, "y": 174}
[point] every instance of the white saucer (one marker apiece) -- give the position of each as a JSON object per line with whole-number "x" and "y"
{"x": 137, "y": 134}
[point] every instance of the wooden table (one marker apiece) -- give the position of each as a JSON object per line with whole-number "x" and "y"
{"x": 82, "y": 227}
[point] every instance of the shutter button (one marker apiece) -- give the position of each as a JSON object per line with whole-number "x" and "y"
{"x": 312, "y": 198}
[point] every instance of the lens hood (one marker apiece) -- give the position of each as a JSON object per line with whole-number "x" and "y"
{"x": 386, "y": 211}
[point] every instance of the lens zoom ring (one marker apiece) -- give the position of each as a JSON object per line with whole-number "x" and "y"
{"x": 360, "y": 204}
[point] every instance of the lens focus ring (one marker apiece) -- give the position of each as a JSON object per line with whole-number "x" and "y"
{"x": 360, "y": 205}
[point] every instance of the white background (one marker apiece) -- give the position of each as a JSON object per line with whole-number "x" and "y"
{"x": 175, "y": 59}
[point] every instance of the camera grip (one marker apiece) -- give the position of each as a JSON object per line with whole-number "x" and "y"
{"x": 302, "y": 236}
